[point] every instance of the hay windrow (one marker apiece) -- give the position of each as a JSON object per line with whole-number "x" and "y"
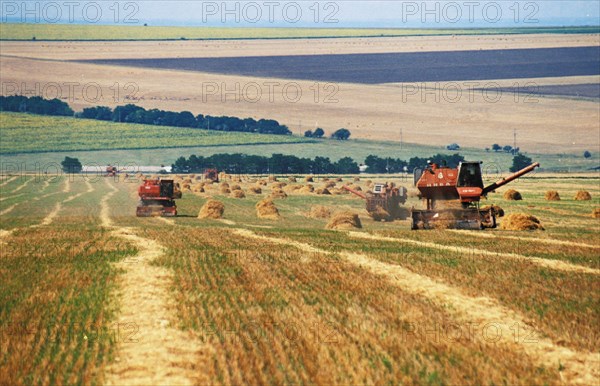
{"x": 521, "y": 222}
{"x": 212, "y": 209}
{"x": 512, "y": 195}
{"x": 552, "y": 195}
{"x": 266, "y": 209}
{"x": 583, "y": 195}
{"x": 319, "y": 211}
{"x": 344, "y": 220}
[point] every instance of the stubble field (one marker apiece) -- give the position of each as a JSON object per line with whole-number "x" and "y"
{"x": 93, "y": 294}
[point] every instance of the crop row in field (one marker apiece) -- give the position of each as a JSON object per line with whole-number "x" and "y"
{"x": 23, "y": 133}
{"x": 13, "y": 31}
{"x": 393, "y": 67}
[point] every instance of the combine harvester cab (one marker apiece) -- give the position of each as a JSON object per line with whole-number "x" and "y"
{"x": 157, "y": 198}
{"x": 462, "y": 187}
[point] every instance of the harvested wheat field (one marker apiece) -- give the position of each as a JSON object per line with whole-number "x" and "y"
{"x": 186, "y": 289}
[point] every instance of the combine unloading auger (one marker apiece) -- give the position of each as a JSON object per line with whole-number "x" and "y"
{"x": 463, "y": 184}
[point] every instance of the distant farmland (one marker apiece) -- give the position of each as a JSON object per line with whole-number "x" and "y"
{"x": 394, "y": 67}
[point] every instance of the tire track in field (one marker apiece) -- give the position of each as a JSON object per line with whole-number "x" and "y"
{"x": 23, "y": 185}
{"x": 526, "y": 239}
{"x": 8, "y": 180}
{"x": 9, "y": 197}
{"x": 157, "y": 352}
{"x": 577, "y": 367}
{"x": 558, "y": 265}
{"x": 8, "y": 210}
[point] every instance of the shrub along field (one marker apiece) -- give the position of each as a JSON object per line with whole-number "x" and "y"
{"x": 244, "y": 299}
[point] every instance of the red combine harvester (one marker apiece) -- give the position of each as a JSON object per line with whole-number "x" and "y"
{"x": 465, "y": 183}
{"x": 157, "y": 198}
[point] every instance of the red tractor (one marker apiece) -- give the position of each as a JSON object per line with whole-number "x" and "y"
{"x": 157, "y": 198}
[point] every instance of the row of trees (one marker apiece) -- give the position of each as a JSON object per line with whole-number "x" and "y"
{"x": 507, "y": 149}
{"x": 254, "y": 164}
{"x": 377, "y": 164}
{"x": 135, "y": 114}
{"x": 35, "y": 105}
{"x": 289, "y": 164}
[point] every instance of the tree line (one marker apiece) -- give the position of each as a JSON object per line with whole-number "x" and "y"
{"x": 135, "y": 114}
{"x": 289, "y": 164}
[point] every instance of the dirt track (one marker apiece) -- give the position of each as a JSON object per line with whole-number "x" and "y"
{"x": 151, "y": 350}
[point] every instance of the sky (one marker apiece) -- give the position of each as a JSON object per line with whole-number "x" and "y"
{"x": 311, "y": 13}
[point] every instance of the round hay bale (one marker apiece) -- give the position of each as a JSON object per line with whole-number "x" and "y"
{"x": 323, "y": 191}
{"x": 344, "y": 220}
{"x": 330, "y": 184}
{"x": 319, "y": 211}
{"x": 356, "y": 179}
{"x": 255, "y": 189}
{"x": 212, "y": 209}
{"x": 238, "y": 194}
{"x": 267, "y": 209}
{"x": 596, "y": 213}
{"x": 292, "y": 179}
{"x": 235, "y": 187}
{"x": 512, "y": 195}
{"x": 262, "y": 183}
{"x": 499, "y": 211}
{"x": 307, "y": 189}
{"x": 552, "y": 195}
{"x": 583, "y": 195}
{"x": 224, "y": 185}
{"x": 309, "y": 179}
{"x": 278, "y": 193}
{"x": 225, "y": 190}
{"x": 521, "y": 222}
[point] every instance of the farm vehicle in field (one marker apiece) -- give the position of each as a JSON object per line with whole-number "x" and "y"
{"x": 383, "y": 201}
{"x": 462, "y": 185}
{"x": 157, "y": 198}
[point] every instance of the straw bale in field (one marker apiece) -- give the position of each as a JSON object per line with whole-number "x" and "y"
{"x": 267, "y": 209}
{"x": 212, "y": 209}
{"x": 344, "y": 220}
{"x": 583, "y": 195}
{"x": 512, "y": 195}
{"x": 520, "y": 222}
{"x": 552, "y": 195}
